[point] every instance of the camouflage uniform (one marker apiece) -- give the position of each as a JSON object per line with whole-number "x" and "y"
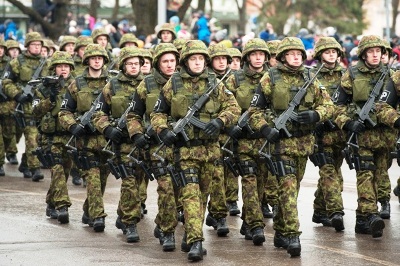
{"x": 374, "y": 142}
{"x": 277, "y": 89}
{"x": 331, "y": 141}
{"x": 144, "y": 100}
{"x": 4, "y": 62}
{"x": 253, "y": 171}
{"x": 115, "y": 99}
{"x": 22, "y": 70}
{"x": 53, "y": 138}
{"x": 112, "y": 64}
{"x": 167, "y": 27}
{"x": 194, "y": 158}
{"x": 77, "y": 101}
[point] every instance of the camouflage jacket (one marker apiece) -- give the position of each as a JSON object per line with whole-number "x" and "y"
{"x": 388, "y": 102}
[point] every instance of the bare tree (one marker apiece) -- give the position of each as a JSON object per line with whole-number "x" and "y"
{"x": 115, "y": 11}
{"x": 395, "y": 12}
{"x": 242, "y": 15}
{"x": 183, "y": 9}
{"x": 145, "y": 14}
{"x": 201, "y": 5}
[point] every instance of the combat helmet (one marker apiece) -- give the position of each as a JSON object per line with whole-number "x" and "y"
{"x": 46, "y": 45}
{"x": 164, "y": 48}
{"x": 3, "y": 43}
{"x": 168, "y": 27}
{"x": 129, "y": 52}
{"x": 326, "y": 43}
{"x": 179, "y": 42}
{"x": 99, "y": 32}
{"x": 146, "y": 53}
{"x": 369, "y": 42}
{"x": 12, "y": 44}
{"x": 255, "y": 44}
{"x": 65, "y": 40}
{"x": 290, "y": 43}
{"x": 82, "y": 41}
{"x": 61, "y": 57}
{"x": 94, "y": 49}
{"x": 219, "y": 50}
{"x": 33, "y": 37}
{"x": 235, "y": 52}
{"x": 273, "y": 46}
{"x": 128, "y": 37}
{"x": 194, "y": 47}
{"x": 388, "y": 48}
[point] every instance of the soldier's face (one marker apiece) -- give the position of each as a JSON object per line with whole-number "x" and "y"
{"x": 256, "y": 60}
{"x": 329, "y": 56}
{"x": 35, "y": 48}
{"x": 63, "y": 70}
{"x": 220, "y": 63}
{"x": 196, "y": 63}
{"x": 167, "y": 64}
{"x": 372, "y": 56}
{"x": 69, "y": 48}
{"x": 44, "y": 52}
{"x": 96, "y": 62}
{"x": 385, "y": 59}
{"x": 130, "y": 44}
{"x": 146, "y": 68}
{"x": 102, "y": 40}
{"x": 132, "y": 66}
{"x": 2, "y": 50}
{"x": 13, "y": 52}
{"x": 294, "y": 58}
{"x": 235, "y": 65}
{"x": 81, "y": 51}
{"x": 166, "y": 36}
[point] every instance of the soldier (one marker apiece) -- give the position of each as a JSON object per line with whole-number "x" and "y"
{"x": 236, "y": 57}
{"x": 273, "y": 49}
{"x": 13, "y": 48}
{"x": 23, "y": 68}
{"x": 178, "y": 43}
{"x": 53, "y": 137}
{"x": 77, "y": 101}
{"x": 127, "y": 40}
{"x": 328, "y": 202}
{"x": 277, "y": 88}
{"x": 166, "y": 33}
{"x": 67, "y": 44}
{"x": 80, "y": 45}
{"x": 4, "y": 66}
{"x": 375, "y": 142}
{"x": 101, "y": 37}
{"x": 52, "y": 47}
{"x": 194, "y": 158}
{"x": 243, "y": 84}
{"x": 148, "y": 59}
{"x": 115, "y": 99}
{"x": 217, "y": 205}
{"x": 45, "y": 49}
{"x": 164, "y": 65}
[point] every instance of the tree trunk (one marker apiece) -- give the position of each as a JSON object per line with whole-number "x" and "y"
{"x": 93, "y": 8}
{"x": 395, "y": 12}
{"x": 145, "y": 14}
{"x": 202, "y": 5}
{"x": 182, "y": 10}
{"x": 115, "y": 11}
{"x": 242, "y": 16}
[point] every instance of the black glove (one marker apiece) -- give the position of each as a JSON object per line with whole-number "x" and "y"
{"x": 53, "y": 94}
{"x": 77, "y": 130}
{"x": 140, "y": 141}
{"x": 397, "y": 123}
{"x": 271, "y": 134}
{"x": 213, "y": 126}
{"x": 22, "y": 98}
{"x": 168, "y": 137}
{"x": 234, "y": 132}
{"x": 113, "y": 134}
{"x": 354, "y": 126}
{"x": 308, "y": 117}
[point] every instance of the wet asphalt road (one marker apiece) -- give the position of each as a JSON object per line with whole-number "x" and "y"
{"x": 28, "y": 237}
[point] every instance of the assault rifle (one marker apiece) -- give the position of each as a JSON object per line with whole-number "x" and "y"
{"x": 85, "y": 120}
{"x": 147, "y": 171}
{"x": 288, "y": 114}
{"x": 351, "y": 155}
{"x": 5, "y": 75}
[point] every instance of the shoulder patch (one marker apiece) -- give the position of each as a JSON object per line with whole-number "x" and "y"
{"x": 335, "y": 96}
{"x": 35, "y": 102}
{"x": 64, "y": 103}
{"x": 384, "y": 96}
{"x": 99, "y": 105}
{"x": 255, "y": 99}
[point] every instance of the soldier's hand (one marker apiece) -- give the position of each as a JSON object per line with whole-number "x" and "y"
{"x": 213, "y": 127}
{"x": 113, "y": 134}
{"x": 271, "y": 134}
{"x": 141, "y": 141}
{"x": 77, "y": 130}
{"x": 234, "y": 132}
{"x": 354, "y": 126}
{"x": 308, "y": 117}
{"x": 168, "y": 137}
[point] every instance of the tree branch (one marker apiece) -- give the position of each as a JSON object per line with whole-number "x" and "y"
{"x": 30, "y": 12}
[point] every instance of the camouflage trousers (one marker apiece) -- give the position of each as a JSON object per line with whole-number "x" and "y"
{"x": 217, "y": 203}
{"x": 8, "y": 126}
{"x": 2, "y": 149}
{"x": 31, "y": 136}
{"x": 269, "y": 191}
{"x": 383, "y": 180}
{"x": 328, "y": 196}
{"x": 231, "y": 186}
{"x": 57, "y": 195}
{"x": 96, "y": 177}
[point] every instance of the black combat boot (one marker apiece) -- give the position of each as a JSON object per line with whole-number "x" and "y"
{"x": 132, "y": 235}
{"x": 245, "y": 231}
{"x": 233, "y": 208}
{"x": 37, "y": 175}
{"x": 51, "y": 212}
{"x": 362, "y": 226}
{"x": 143, "y": 209}
{"x": 99, "y": 224}
{"x": 337, "y": 222}
{"x": 158, "y": 233}
{"x": 321, "y": 218}
{"x": 396, "y": 192}
{"x": 76, "y": 179}
{"x": 196, "y": 251}
{"x": 23, "y": 167}
{"x": 266, "y": 211}
{"x": 211, "y": 221}
{"x": 185, "y": 247}
{"x": 86, "y": 219}
{"x": 2, "y": 173}
{"x": 120, "y": 225}
{"x": 280, "y": 241}
{"x": 384, "y": 213}
{"x": 258, "y": 236}
{"x": 169, "y": 242}
{"x": 12, "y": 158}
{"x": 376, "y": 225}
{"x": 63, "y": 216}
{"x": 294, "y": 248}
{"x": 222, "y": 227}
